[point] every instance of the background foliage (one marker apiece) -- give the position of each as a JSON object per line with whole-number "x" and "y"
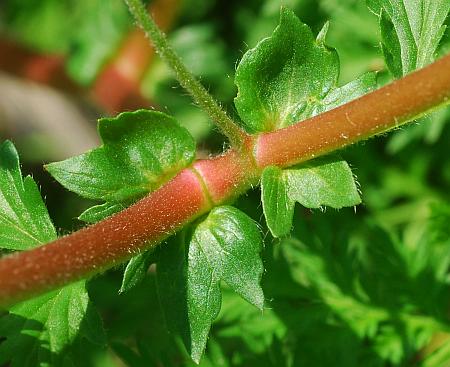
{"x": 347, "y": 288}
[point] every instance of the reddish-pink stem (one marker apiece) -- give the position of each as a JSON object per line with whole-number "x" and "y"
{"x": 211, "y": 182}
{"x": 105, "y": 244}
{"x": 376, "y": 112}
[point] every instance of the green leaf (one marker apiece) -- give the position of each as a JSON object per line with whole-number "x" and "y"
{"x": 99, "y": 212}
{"x": 363, "y": 277}
{"x": 348, "y": 92}
{"x": 289, "y": 77}
{"x": 38, "y": 331}
{"x": 24, "y": 220}
{"x": 24, "y": 21}
{"x": 108, "y": 21}
{"x": 225, "y": 246}
{"x": 281, "y": 85}
{"x": 277, "y": 205}
{"x": 148, "y": 148}
{"x": 141, "y": 151}
{"x": 410, "y": 31}
{"x": 46, "y": 325}
{"x": 136, "y": 270}
{"x": 322, "y": 182}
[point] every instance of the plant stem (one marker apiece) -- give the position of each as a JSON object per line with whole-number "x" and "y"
{"x": 384, "y": 109}
{"x": 214, "y": 181}
{"x": 105, "y": 244}
{"x": 128, "y": 66}
{"x": 200, "y": 95}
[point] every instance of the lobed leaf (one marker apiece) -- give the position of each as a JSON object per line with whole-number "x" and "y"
{"x": 24, "y": 220}
{"x": 291, "y": 76}
{"x": 141, "y": 151}
{"x": 225, "y": 246}
{"x": 44, "y": 326}
{"x": 410, "y": 31}
{"x": 322, "y": 182}
{"x": 287, "y": 78}
{"x": 411, "y": 37}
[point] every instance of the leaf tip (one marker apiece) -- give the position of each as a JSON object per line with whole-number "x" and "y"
{"x": 196, "y": 352}
{"x": 50, "y": 167}
{"x": 9, "y": 155}
{"x": 259, "y": 300}
{"x": 323, "y": 34}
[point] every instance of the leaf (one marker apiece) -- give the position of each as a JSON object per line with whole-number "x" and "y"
{"x": 44, "y": 326}
{"x": 99, "y": 212}
{"x": 281, "y": 85}
{"x": 24, "y": 220}
{"x": 225, "y": 246}
{"x": 410, "y": 31}
{"x": 389, "y": 292}
{"x": 322, "y": 182}
{"x": 108, "y": 21}
{"x": 136, "y": 270}
{"x": 444, "y": 46}
{"x": 348, "y": 92}
{"x": 38, "y": 331}
{"x": 289, "y": 77}
{"x": 148, "y": 148}
{"x": 24, "y": 21}
{"x": 141, "y": 151}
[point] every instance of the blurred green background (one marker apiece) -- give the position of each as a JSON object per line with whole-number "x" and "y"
{"x": 351, "y": 288}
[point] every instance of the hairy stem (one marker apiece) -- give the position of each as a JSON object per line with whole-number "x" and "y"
{"x": 128, "y": 66}
{"x": 382, "y": 110}
{"x": 200, "y": 95}
{"x": 211, "y": 182}
{"x": 105, "y": 244}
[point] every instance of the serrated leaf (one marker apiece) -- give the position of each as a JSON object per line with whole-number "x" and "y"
{"x": 37, "y": 331}
{"x": 141, "y": 151}
{"x": 24, "y": 220}
{"x": 281, "y": 85}
{"x": 289, "y": 77}
{"x": 322, "y": 182}
{"x": 147, "y": 147}
{"x": 225, "y": 246}
{"x": 410, "y": 31}
{"x": 46, "y": 325}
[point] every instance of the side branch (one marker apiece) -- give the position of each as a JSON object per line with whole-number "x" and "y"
{"x": 211, "y": 182}
{"x": 200, "y": 95}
